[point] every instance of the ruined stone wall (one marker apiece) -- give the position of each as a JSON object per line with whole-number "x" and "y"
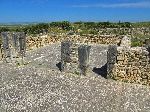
{"x": 130, "y": 65}
{"x": 36, "y": 42}
{"x": 143, "y": 30}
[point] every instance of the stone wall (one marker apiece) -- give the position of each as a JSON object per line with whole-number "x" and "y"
{"x": 36, "y": 42}
{"x": 105, "y": 36}
{"x": 129, "y": 65}
{"x": 126, "y": 31}
{"x": 43, "y": 40}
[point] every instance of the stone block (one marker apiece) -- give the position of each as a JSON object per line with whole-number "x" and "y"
{"x": 144, "y": 76}
{"x": 126, "y": 42}
{"x": 120, "y": 62}
{"x": 125, "y": 62}
{"x": 120, "y": 58}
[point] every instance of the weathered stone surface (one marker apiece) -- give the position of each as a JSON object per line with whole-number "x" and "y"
{"x": 125, "y": 42}
{"x": 22, "y": 43}
{"x": 132, "y": 65}
{"x": 1, "y": 55}
{"x": 84, "y": 53}
{"x": 65, "y": 54}
{"x": 13, "y": 45}
{"x": 39, "y": 41}
{"x": 6, "y": 45}
{"x": 111, "y": 58}
{"x": 16, "y": 46}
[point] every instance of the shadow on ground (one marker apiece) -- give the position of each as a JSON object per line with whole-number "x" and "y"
{"x": 59, "y": 65}
{"x": 101, "y": 71}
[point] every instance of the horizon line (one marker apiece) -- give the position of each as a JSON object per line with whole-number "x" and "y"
{"x": 116, "y": 5}
{"x": 11, "y": 23}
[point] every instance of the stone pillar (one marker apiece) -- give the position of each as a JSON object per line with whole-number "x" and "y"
{"x": 16, "y": 48}
{"x": 6, "y": 46}
{"x": 14, "y": 45}
{"x": 0, "y": 52}
{"x": 111, "y": 59}
{"x": 65, "y": 54}
{"x": 74, "y": 58}
{"x": 84, "y": 53}
{"x": 22, "y": 42}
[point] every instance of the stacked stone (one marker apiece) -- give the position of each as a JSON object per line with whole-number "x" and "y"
{"x": 39, "y": 41}
{"x": 108, "y": 37}
{"x": 74, "y": 57}
{"x": 132, "y": 65}
{"x": 129, "y": 64}
{"x": 125, "y": 42}
{"x": 31, "y": 43}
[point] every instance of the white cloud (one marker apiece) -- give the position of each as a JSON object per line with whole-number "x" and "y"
{"x": 39, "y": 1}
{"x": 119, "y": 5}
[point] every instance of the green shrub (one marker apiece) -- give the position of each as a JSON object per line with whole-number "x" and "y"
{"x": 136, "y": 43}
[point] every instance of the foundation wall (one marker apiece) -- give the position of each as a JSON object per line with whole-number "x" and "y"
{"x": 131, "y": 65}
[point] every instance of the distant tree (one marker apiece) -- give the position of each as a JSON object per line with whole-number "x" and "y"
{"x": 90, "y": 25}
{"x": 65, "y": 25}
{"x": 104, "y": 24}
{"x": 36, "y": 29}
{"x": 4, "y": 29}
{"x": 125, "y": 24}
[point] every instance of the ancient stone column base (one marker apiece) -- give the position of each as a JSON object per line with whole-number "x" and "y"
{"x": 74, "y": 58}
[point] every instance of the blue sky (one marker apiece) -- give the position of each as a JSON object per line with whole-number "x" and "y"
{"x": 74, "y": 10}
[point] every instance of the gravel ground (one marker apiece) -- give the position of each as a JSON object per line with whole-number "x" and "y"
{"x": 41, "y": 87}
{"x": 49, "y": 56}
